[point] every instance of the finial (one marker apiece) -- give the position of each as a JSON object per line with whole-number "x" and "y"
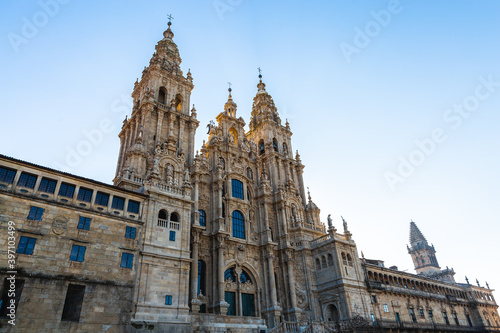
{"x": 309, "y": 195}
{"x": 229, "y": 83}
{"x": 477, "y": 281}
{"x": 466, "y": 279}
{"x": 487, "y": 285}
{"x": 362, "y": 255}
{"x": 260, "y": 72}
{"x": 170, "y": 18}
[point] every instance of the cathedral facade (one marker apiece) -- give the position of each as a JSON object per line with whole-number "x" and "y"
{"x": 224, "y": 239}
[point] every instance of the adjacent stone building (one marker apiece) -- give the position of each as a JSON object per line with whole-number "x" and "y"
{"x": 226, "y": 239}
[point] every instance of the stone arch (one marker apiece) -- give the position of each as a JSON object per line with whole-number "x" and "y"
{"x": 178, "y": 102}
{"x": 234, "y": 133}
{"x": 332, "y": 313}
{"x": 162, "y": 95}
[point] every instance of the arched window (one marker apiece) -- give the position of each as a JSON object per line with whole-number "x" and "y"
{"x": 237, "y": 189}
{"x": 203, "y": 218}
{"x": 162, "y": 96}
{"x": 323, "y": 262}
{"x": 330, "y": 259}
{"x": 275, "y": 145}
{"x": 178, "y": 102}
{"x": 349, "y": 259}
{"x": 262, "y": 148}
{"x": 174, "y": 217}
{"x": 344, "y": 259}
{"x": 245, "y": 277}
{"x": 162, "y": 214}
{"x": 318, "y": 264}
{"x": 201, "y": 277}
{"x": 238, "y": 225}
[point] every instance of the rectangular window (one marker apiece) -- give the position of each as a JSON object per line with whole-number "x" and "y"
{"x": 374, "y": 299}
{"x": 168, "y": 300}
{"x": 456, "y": 319}
{"x": 398, "y": 319}
{"x": 7, "y": 175}
{"x": 374, "y": 321}
{"x": 67, "y": 190}
{"x": 431, "y": 317}
{"x": 77, "y": 253}
{"x": 237, "y": 188}
{"x": 73, "y": 303}
{"x": 47, "y": 185}
{"x": 127, "y": 260}
{"x": 101, "y": 199}
{"x": 36, "y": 213}
{"x": 133, "y": 207}
{"x": 27, "y": 180}
{"x": 118, "y": 203}
{"x": 412, "y": 315}
{"x": 26, "y": 245}
{"x": 172, "y": 236}
{"x": 84, "y": 194}
{"x": 130, "y": 232}
{"x": 230, "y": 298}
{"x": 468, "y": 320}
{"x": 8, "y": 294}
{"x": 445, "y": 316}
{"x": 84, "y": 223}
{"x": 421, "y": 311}
{"x": 386, "y": 308}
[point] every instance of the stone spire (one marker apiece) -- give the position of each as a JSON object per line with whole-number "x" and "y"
{"x": 416, "y": 236}
{"x": 263, "y": 109}
{"x": 230, "y": 106}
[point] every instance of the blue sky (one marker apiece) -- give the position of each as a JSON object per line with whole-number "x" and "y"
{"x": 407, "y": 91}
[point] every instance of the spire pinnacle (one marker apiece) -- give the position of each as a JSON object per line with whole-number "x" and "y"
{"x": 416, "y": 235}
{"x": 168, "y": 34}
{"x": 309, "y": 195}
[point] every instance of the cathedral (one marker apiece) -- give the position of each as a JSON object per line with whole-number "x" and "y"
{"x": 221, "y": 239}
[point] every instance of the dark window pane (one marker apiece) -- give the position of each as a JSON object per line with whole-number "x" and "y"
{"x": 26, "y": 245}
{"x": 237, "y": 188}
{"x": 133, "y": 207}
{"x": 27, "y": 180}
{"x": 35, "y": 213}
{"x": 67, "y": 190}
{"x": 203, "y": 218}
{"x": 47, "y": 185}
{"x": 230, "y": 298}
{"x": 130, "y": 232}
{"x": 238, "y": 225}
{"x": 101, "y": 199}
{"x": 84, "y": 223}
{"x": 172, "y": 236}
{"x": 248, "y": 305}
{"x": 7, "y": 175}
{"x": 73, "y": 303}
{"x": 77, "y": 253}
{"x": 118, "y": 203}
{"x": 168, "y": 300}
{"x": 127, "y": 260}
{"x": 84, "y": 194}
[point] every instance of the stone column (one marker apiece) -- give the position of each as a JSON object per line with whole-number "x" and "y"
{"x": 274, "y": 311}
{"x": 158, "y": 126}
{"x": 222, "y": 306}
{"x": 291, "y": 285}
{"x": 195, "y": 303}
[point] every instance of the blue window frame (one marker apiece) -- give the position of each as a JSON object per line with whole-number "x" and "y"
{"x": 118, "y": 203}
{"x": 27, "y": 180}
{"x": 84, "y": 194}
{"x": 172, "y": 236}
{"x": 84, "y": 223}
{"x": 130, "y": 232}
{"x": 237, "y": 188}
{"x": 101, "y": 199}
{"x": 245, "y": 277}
{"x": 26, "y": 245}
{"x": 127, "y": 260}
{"x": 7, "y": 175}
{"x": 230, "y": 274}
{"x": 67, "y": 190}
{"x": 168, "y": 300}
{"x": 133, "y": 207}
{"x": 203, "y": 218}
{"x": 47, "y": 185}
{"x": 36, "y": 213}
{"x": 238, "y": 225}
{"x": 77, "y": 253}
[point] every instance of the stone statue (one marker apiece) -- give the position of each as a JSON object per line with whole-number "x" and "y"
{"x": 345, "y": 226}
{"x": 156, "y": 165}
{"x": 329, "y": 218}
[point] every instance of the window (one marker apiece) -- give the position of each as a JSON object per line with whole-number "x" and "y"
{"x": 275, "y": 145}
{"x": 230, "y": 298}
{"x": 172, "y": 236}
{"x": 133, "y": 207}
{"x": 47, "y": 185}
{"x": 84, "y": 194}
{"x": 84, "y": 223}
{"x": 161, "y": 96}
{"x": 445, "y": 316}
{"x": 468, "y": 319}
{"x": 203, "y": 218}
{"x": 238, "y": 225}
{"x": 318, "y": 264}
{"x": 386, "y": 308}
{"x": 230, "y": 274}
{"x": 67, "y": 190}
{"x": 237, "y": 188}
{"x": 27, "y": 180}
{"x": 101, "y": 199}
{"x": 130, "y": 232}
{"x": 118, "y": 203}
{"x": 374, "y": 299}
{"x": 8, "y": 295}
{"x": 323, "y": 262}
{"x": 398, "y": 319}
{"x": 431, "y": 317}
{"x": 330, "y": 259}
{"x": 36, "y": 213}
{"x": 456, "y": 319}
{"x": 127, "y": 260}
{"x": 77, "y": 253}
{"x": 174, "y": 217}
{"x": 248, "y": 304}
{"x": 73, "y": 303}
{"x": 245, "y": 277}
{"x": 201, "y": 277}
{"x": 168, "y": 300}
{"x": 374, "y": 321}
{"x": 421, "y": 311}
{"x": 412, "y": 315}
{"x": 7, "y": 175}
{"x": 26, "y": 245}
{"x": 262, "y": 148}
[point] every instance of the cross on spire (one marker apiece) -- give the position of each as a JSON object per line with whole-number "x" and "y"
{"x": 260, "y": 71}
{"x": 229, "y": 83}
{"x": 170, "y": 18}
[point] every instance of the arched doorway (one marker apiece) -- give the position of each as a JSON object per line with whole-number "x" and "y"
{"x": 332, "y": 313}
{"x": 240, "y": 292}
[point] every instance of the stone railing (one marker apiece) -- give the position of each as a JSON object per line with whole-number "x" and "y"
{"x": 285, "y": 327}
{"x": 169, "y": 224}
{"x": 294, "y": 225}
{"x": 174, "y": 225}
{"x": 162, "y": 223}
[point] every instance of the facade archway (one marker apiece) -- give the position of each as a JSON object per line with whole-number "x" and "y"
{"x": 332, "y": 313}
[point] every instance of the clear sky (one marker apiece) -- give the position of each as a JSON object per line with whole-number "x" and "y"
{"x": 394, "y": 106}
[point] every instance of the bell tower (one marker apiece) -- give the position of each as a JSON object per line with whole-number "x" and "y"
{"x": 423, "y": 254}
{"x": 161, "y": 123}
